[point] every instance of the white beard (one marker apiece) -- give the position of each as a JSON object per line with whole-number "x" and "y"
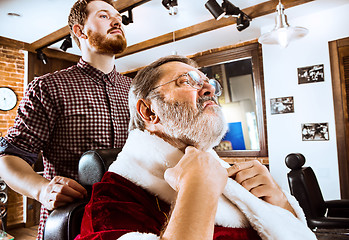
{"x": 202, "y": 128}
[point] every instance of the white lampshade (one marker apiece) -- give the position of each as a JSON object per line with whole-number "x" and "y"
{"x": 282, "y": 34}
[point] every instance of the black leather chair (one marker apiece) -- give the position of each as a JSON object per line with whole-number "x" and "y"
{"x": 64, "y": 223}
{"x": 304, "y": 187}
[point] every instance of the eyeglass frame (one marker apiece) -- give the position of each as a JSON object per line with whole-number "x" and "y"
{"x": 188, "y": 75}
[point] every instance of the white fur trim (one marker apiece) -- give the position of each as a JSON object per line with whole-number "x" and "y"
{"x": 139, "y": 236}
{"x": 271, "y": 222}
{"x": 295, "y": 205}
{"x": 145, "y": 166}
{"x": 144, "y": 159}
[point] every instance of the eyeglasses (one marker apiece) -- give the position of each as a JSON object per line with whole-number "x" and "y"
{"x": 194, "y": 80}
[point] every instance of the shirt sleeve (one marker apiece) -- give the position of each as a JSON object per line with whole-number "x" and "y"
{"x": 7, "y": 148}
{"x": 33, "y": 124}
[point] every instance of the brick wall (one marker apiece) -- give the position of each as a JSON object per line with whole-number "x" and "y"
{"x": 12, "y": 75}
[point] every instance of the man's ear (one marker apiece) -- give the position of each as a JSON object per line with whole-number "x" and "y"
{"x": 146, "y": 113}
{"x": 77, "y": 30}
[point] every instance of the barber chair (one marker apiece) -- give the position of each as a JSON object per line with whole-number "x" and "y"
{"x": 64, "y": 223}
{"x": 304, "y": 187}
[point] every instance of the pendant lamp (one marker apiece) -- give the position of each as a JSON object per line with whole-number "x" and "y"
{"x": 283, "y": 33}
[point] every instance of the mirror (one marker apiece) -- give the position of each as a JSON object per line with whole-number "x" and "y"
{"x": 238, "y": 104}
{"x": 239, "y": 72}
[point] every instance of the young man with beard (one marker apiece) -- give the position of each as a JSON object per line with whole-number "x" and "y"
{"x": 66, "y": 113}
{"x": 168, "y": 183}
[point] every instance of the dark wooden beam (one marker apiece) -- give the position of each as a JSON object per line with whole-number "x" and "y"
{"x": 209, "y": 25}
{"x": 51, "y": 38}
{"x": 255, "y": 11}
{"x": 120, "y": 5}
{"x": 13, "y": 43}
{"x": 49, "y": 52}
{"x": 61, "y": 55}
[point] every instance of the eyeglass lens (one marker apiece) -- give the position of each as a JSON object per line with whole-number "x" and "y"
{"x": 199, "y": 83}
{"x": 196, "y": 77}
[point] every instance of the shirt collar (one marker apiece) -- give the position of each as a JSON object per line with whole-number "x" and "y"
{"x": 96, "y": 74}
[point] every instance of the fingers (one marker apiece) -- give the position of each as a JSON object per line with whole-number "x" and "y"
{"x": 246, "y": 170}
{"x": 171, "y": 179}
{"x": 69, "y": 187}
{"x": 60, "y": 191}
{"x": 241, "y": 167}
{"x": 254, "y": 177}
{"x": 197, "y": 168}
{"x": 262, "y": 191}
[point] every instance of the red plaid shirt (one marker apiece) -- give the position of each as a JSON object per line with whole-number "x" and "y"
{"x": 67, "y": 113}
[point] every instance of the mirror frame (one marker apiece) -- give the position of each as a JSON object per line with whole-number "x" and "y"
{"x": 231, "y": 53}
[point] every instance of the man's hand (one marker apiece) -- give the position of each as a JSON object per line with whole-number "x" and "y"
{"x": 61, "y": 191}
{"x": 199, "y": 180}
{"x": 256, "y": 178}
{"x": 21, "y": 177}
{"x": 198, "y": 168}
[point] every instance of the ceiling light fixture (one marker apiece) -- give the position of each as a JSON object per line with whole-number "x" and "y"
{"x": 171, "y": 6}
{"x": 228, "y": 9}
{"x": 215, "y": 9}
{"x": 242, "y": 22}
{"x": 67, "y": 43}
{"x": 127, "y": 20}
{"x": 282, "y": 33}
{"x": 41, "y": 56}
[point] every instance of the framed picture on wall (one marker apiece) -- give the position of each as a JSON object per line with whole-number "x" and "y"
{"x": 315, "y": 132}
{"x": 281, "y": 105}
{"x": 311, "y": 74}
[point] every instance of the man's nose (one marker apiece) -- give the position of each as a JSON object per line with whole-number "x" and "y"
{"x": 207, "y": 90}
{"x": 116, "y": 21}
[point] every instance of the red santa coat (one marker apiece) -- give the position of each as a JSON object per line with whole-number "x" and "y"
{"x": 142, "y": 162}
{"x": 118, "y": 206}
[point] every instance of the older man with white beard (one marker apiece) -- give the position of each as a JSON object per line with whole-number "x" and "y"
{"x": 168, "y": 183}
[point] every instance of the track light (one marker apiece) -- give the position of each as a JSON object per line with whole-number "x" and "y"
{"x": 126, "y": 20}
{"x": 282, "y": 33}
{"x": 41, "y": 56}
{"x": 215, "y": 9}
{"x": 228, "y": 9}
{"x": 171, "y": 6}
{"x": 242, "y": 23}
{"x": 67, "y": 43}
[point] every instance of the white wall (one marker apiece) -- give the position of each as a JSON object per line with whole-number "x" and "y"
{"x": 313, "y": 101}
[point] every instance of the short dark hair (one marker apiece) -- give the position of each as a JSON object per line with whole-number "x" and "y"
{"x": 144, "y": 81}
{"x": 78, "y": 15}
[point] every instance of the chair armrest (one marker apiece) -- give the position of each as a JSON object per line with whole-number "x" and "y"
{"x": 344, "y": 203}
{"x": 329, "y": 223}
{"x": 338, "y": 208}
{"x": 64, "y": 223}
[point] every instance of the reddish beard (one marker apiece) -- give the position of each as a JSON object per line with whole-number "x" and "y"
{"x": 106, "y": 45}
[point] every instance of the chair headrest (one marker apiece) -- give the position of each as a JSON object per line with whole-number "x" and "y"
{"x": 295, "y": 161}
{"x": 94, "y": 163}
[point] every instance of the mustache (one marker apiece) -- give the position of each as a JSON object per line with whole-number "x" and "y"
{"x": 115, "y": 28}
{"x": 201, "y": 100}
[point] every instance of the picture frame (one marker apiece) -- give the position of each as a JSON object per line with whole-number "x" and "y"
{"x": 311, "y": 74}
{"x": 281, "y": 105}
{"x": 315, "y": 132}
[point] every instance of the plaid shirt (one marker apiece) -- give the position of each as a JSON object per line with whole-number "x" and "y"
{"x": 67, "y": 113}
